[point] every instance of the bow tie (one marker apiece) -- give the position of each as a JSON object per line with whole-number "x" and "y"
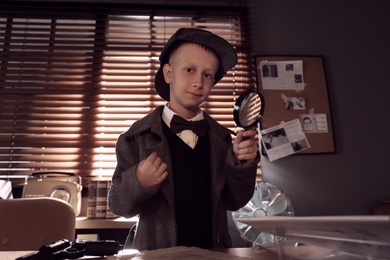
{"x": 179, "y": 124}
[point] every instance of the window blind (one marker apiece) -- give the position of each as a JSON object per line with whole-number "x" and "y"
{"x": 72, "y": 78}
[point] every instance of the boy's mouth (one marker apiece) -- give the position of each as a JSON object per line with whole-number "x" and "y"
{"x": 195, "y": 94}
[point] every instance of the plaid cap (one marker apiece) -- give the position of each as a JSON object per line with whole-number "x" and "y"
{"x": 223, "y": 50}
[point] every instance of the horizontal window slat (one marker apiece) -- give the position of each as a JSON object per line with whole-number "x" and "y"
{"x": 72, "y": 78}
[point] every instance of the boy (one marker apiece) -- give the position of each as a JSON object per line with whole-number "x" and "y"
{"x": 179, "y": 182}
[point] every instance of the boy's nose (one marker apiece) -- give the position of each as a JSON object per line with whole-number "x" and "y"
{"x": 198, "y": 80}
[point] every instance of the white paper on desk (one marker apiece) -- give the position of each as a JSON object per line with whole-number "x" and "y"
{"x": 126, "y": 254}
{"x": 359, "y": 235}
{"x": 174, "y": 253}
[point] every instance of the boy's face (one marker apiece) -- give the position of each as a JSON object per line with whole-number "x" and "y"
{"x": 190, "y": 73}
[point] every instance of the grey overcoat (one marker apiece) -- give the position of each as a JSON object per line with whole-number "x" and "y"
{"x": 232, "y": 185}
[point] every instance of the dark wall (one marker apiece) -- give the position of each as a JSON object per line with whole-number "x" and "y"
{"x": 354, "y": 39}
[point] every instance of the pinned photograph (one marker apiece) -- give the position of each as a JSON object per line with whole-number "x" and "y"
{"x": 314, "y": 123}
{"x": 284, "y": 139}
{"x": 294, "y": 103}
{"x": 278, "y": 75}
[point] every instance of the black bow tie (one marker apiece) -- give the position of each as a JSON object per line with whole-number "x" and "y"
{"x": 179, "y": 124}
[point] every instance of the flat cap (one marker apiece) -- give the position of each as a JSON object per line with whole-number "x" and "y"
{"x": 220, "y": 47}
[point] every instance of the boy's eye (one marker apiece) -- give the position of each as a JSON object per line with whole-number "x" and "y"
{"x": 188, "y": 69}
{"x": 209, "y": 75}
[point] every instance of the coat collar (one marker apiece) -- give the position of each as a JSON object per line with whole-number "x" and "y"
{"x": 153, "y": 122}
{"x": 220, "y": 140}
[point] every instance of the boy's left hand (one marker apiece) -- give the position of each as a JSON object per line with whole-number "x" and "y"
{"x": 245, "y": 146}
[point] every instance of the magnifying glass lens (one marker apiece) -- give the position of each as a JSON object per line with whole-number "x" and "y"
{"x": 248, "y": 109}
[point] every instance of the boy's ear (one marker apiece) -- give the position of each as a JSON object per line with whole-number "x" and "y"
{"x": 167, "y": 73}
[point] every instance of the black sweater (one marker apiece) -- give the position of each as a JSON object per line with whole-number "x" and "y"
{"x": 191, "y": 175}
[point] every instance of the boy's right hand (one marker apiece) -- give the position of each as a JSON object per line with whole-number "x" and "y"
{"x": 151, "y": 171}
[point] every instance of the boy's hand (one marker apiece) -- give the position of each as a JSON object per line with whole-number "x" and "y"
{"x": 151, "y": 171}
{"x": 245, "y": 146}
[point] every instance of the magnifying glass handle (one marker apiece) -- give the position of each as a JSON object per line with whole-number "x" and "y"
{"x": 235, "y": 134}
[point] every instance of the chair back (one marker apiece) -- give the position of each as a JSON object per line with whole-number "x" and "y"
{"x": 29, "y": 223}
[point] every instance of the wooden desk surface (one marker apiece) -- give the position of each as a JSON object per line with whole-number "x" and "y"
{"x": 12, "y": 255}
{"x": 248, "y": 253}
{"x": 240, "y": 252}
{"x": 301, "y": 252}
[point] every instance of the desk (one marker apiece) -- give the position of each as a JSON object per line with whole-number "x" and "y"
{"x": 240, "y": 253}
{"x": 12, "y": 255}
{"x": 104, "y": 229}
{"x": 248, "y": 253}
{"x": 299, "y": 252}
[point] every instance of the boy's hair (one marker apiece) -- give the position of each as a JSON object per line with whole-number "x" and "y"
{"x": 225, "y": 52}
{"x": 176, "y": 46}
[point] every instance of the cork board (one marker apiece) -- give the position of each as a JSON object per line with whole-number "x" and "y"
{"x": 295, "y": 87}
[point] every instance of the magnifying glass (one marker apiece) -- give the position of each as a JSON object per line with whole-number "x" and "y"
{"x": 248, "y": 109}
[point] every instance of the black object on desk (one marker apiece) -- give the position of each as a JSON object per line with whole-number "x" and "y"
{"x": 64, "y": 249}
